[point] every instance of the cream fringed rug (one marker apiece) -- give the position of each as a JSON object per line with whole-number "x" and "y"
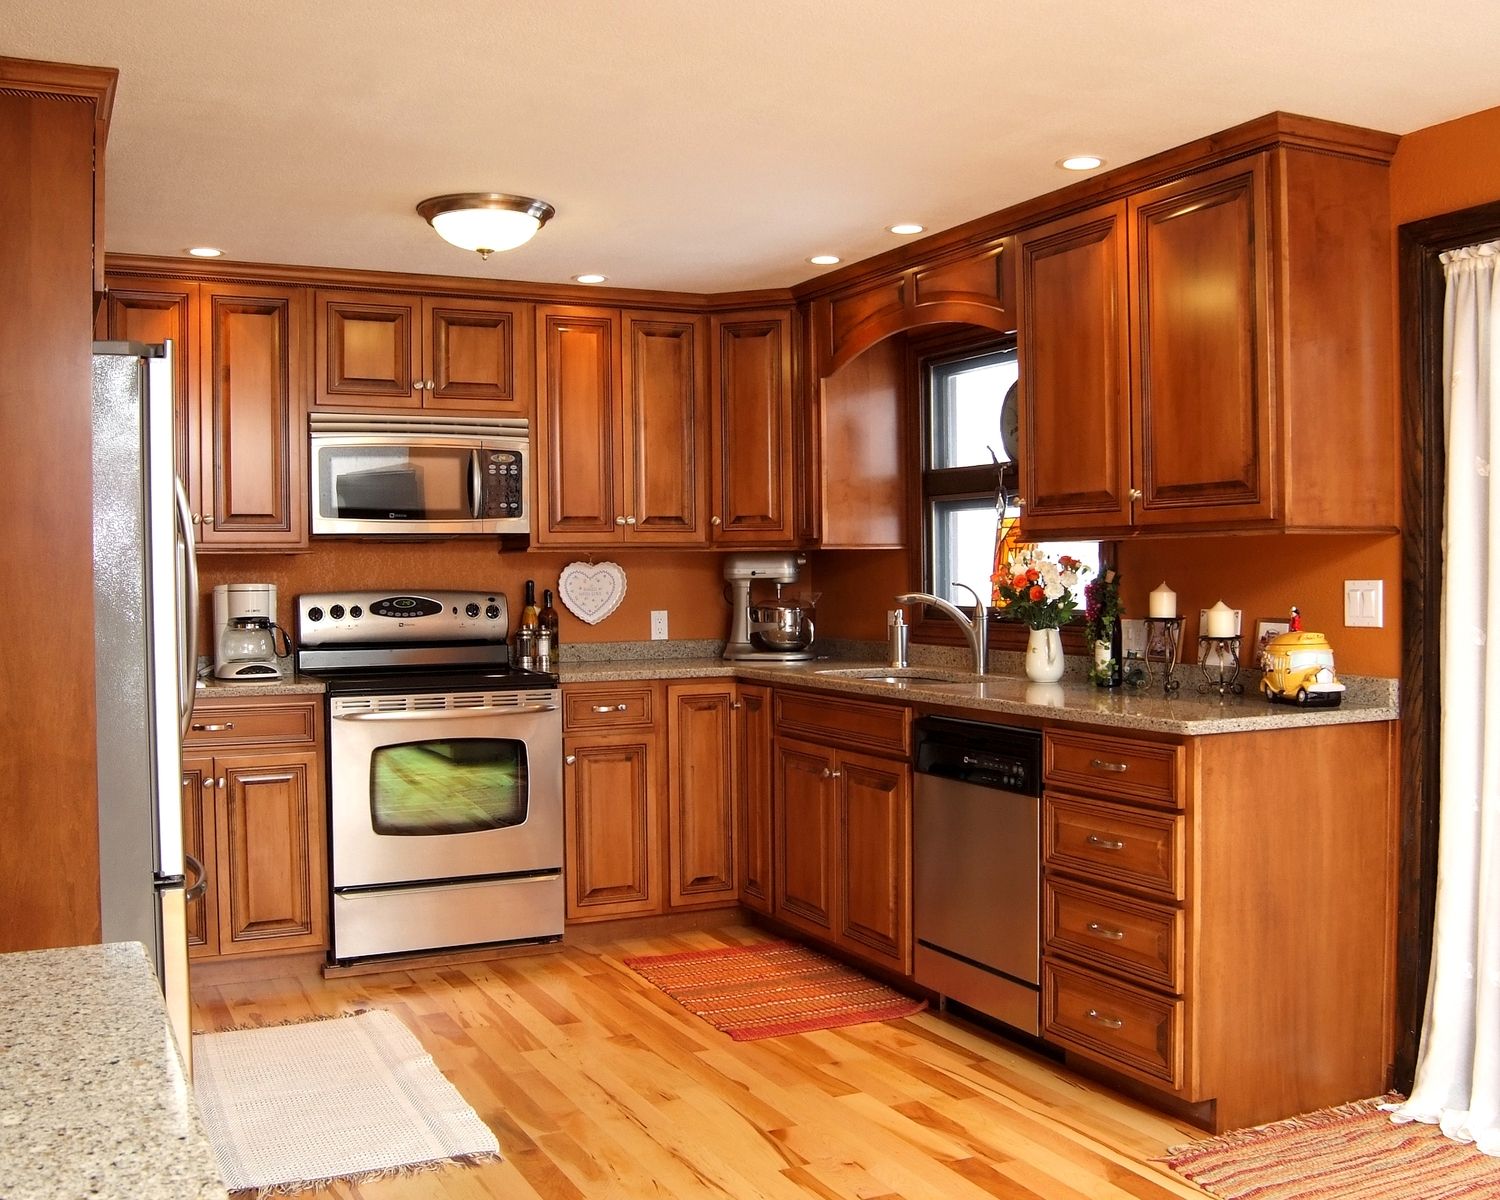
{"x": 291, "y": 1106}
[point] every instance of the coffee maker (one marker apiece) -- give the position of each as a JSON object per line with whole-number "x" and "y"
{"x": 245, "y": 632}
{"x": 770, "y": 630}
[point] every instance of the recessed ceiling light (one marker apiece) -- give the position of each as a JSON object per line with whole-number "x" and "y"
{"x": 824, "y": 260}
{"x": 590, "y": 278}
{"x": 1080, "y": 162}
{"x": 905, "y": 229}
{"x": 205, "y": 251}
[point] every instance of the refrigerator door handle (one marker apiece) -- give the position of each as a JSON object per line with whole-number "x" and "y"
{"x": 187, "y": 605}
{"x": 198, "y": 870}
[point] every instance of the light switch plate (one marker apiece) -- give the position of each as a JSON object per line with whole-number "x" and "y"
{"x": 1133, "y": 638}
{"x": 658, "y": 624}
{"x": 1364, "y": 603}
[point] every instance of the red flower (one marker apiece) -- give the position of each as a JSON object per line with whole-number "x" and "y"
{"x": 1019, "y": 583}
{"x": 1033, "y": 574}
{"x": 1037, "y": 593}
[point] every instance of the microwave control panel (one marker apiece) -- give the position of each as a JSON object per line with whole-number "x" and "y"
{"x": 504, "y": 483}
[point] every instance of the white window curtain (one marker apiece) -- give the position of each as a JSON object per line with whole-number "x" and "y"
{"x": 1458, "y": 1070}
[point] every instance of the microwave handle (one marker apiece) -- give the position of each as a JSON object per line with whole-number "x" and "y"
{"x": 476, "y": 483}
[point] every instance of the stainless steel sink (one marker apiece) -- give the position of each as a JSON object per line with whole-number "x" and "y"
{"x": 896, "y": 676}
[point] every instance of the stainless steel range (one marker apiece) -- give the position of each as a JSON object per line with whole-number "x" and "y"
{"x": 444, "y": 773}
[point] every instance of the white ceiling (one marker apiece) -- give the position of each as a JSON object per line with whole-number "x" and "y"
{"x": 703, "y": 145}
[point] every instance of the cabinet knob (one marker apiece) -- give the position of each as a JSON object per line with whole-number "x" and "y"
{"x": 196, "y": 518}
{"x": 715, "y": 521}
{"x": 207, "y": 519}
{"x": 630, "y": 520}
{"x": 221, "y": 783}
{"x": 571, "y": 759}
{"x": 208, "y": 783}
{"x": 735, "y": 704}
{"x": 619, "y": 520}
{"x": 838, "y": 775}
{"x": 1136, "y": 493}
{"x": 830, "y": 774}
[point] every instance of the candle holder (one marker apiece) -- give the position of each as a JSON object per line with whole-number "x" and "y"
{"x": 1163, "y": 636}
{"x": 1219, "y": 659}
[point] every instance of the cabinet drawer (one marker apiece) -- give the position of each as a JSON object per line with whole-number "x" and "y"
{"x": 882, "y": 728}
{"x": 1145, "y": 771}
{"x": 1109, "y": 843}
{"x": 283, "y": 723}
{"x": 1116, "y": 1024}
{"x": 1114, "y": 933}
{"x": 616, "y": 706}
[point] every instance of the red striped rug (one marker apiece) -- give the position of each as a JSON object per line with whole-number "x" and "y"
{"x": 771, "y": 988}
{"x": 1354, "y": 1152}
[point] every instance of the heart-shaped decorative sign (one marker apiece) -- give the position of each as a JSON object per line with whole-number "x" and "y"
{"x": 591, "y": 590}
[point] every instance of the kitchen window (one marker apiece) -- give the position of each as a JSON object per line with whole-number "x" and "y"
{"x": 969, "y": 454}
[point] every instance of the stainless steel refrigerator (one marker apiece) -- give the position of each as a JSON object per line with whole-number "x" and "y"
{"x": 145, "y": 634}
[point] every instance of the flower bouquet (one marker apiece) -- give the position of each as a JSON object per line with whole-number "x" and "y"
{"x": 1036, "y": 591}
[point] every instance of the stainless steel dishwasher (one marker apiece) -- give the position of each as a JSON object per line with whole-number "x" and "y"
{"x": 976, "y": 854}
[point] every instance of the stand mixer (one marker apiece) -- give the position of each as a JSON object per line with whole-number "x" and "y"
{"x": 770, "y": 630}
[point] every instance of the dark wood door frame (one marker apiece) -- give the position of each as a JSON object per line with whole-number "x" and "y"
{"x": 1421, "y": 299}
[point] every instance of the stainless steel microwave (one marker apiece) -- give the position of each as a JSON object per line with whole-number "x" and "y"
{"x": 393, "y": 475}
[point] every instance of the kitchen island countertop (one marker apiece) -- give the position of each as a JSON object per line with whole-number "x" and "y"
{"x": 1187, "y": 713}
{"x": 93, "y": 1100}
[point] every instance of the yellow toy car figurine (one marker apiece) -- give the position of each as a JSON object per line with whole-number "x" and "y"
{"x": 1298, "y": 669}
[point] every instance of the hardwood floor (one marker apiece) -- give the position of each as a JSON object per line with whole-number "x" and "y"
{"x": 597, "y": 1085}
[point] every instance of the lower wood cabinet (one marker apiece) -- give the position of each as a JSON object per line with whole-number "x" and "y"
{"x": 701, "y": 794}
{"x": 254, "y": 815}
{"x": 754, "y": 787}
{"x": 612, "y": 815}
{"x": 841, "y": 848}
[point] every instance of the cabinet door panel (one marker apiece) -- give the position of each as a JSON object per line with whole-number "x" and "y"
{"x": 578, "y": 427}
{"x": 478, "y": 356}
{"x": 701, "y": 794}
{"x": 754, "y": 789}
{"x": 253, "y": 445}
{"x": 1201, "y": 334}
{"x": 666, "y": 428}
{"x": 144, "y": 310}
{"x": 805, "y": 846}
{"x": 752, "y": 375}
{"x": 270, "y": 850}
{"x": 610, "y": 815}
{"x": 366, "y": 350}
{"x": 874, "y": 799}
{"x": 1074, "y": 373}
{"x": 198, "y": 839}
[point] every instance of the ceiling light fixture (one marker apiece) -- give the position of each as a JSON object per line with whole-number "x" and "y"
{"x": 485, "y": 222}
{"x": 825, "y": 260}
{"x": 204, "y": 251}
{"x": 905, "y": 229}
{"x": 1080, "y": 162}
{"x": 590, "y": 278}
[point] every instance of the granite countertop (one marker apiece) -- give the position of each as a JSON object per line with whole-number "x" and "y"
{"x": 1187, "y": 713}
{"x": 93, "y": 1101}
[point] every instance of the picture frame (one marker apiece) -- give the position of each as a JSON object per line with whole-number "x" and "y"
{"x": 1265, "y": 629}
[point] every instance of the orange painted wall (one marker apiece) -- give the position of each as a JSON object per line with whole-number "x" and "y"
{"x": 1446, "y": 167}
{"x": 688, "y": 585}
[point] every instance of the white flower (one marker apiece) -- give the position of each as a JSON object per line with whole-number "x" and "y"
{"x": 1055, "y": 590}
{"x": 1070, "y": 579}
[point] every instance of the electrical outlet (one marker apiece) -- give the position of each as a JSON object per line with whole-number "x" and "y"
{"x": 658, "y": 624}
{"x": 1364, "y": 603}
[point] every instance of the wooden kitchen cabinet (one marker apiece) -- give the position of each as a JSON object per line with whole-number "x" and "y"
{"x": 702, "y": 794}
{"x": 254, "y": 814}
{"x": 241, "y": 443}
{"x": 1210, "y": 906}
{"x": 613, "y": 812}
{"x": 754, "y": 481}
{"x": 1183, "y": 352}
{"x": 622, "y": 429}
{"x": 841, "y": 865}
{"x": 754, "y": 790}
{"x": 440, "y": 353}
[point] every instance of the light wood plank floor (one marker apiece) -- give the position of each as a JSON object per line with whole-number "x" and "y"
{"x": 597, "y": 1085}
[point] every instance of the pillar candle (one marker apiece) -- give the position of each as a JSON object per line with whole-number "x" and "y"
{"x": 1220, "y": 621}
{"x": 1163, "y": 602}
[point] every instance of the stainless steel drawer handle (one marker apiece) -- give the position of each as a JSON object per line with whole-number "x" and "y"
{"x": 199, "y": 727}
{"x": 1104, "y": 931}
{"x": 1103, "y": 764}
{"x": 609, "y": 708}
{"x": 1099, "y": 1018}
{"x": 201, "y": 886}
{"x": 1103, "y": 843}
{"x": 267, "y": 778}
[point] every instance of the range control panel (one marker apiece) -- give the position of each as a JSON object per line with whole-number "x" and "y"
{"x": 335, "y": 618}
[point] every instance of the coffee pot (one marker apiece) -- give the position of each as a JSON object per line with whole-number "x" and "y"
{"x": 247, "y": 650}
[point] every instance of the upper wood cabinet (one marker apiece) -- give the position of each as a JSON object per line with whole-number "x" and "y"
{"x": 622, "y": 432}
{"x": 1183, "y": 354}
{"x": 755, "y": 467}
{"x": 238, "y": 401}
{"x": 461, "y": 354}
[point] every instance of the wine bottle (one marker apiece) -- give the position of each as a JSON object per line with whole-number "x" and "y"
{"x": 548, "y": 618}
{"x": 530, "y": 617}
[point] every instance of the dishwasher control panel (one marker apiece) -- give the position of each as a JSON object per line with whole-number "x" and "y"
{"x": 1005, "y": 757}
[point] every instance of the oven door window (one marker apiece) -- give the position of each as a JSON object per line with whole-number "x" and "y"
{"x": 455, "y": 785}
{"x": 396, "y": 483}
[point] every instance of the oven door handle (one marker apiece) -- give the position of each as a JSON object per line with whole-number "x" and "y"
{"x": 438, "y": 714}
